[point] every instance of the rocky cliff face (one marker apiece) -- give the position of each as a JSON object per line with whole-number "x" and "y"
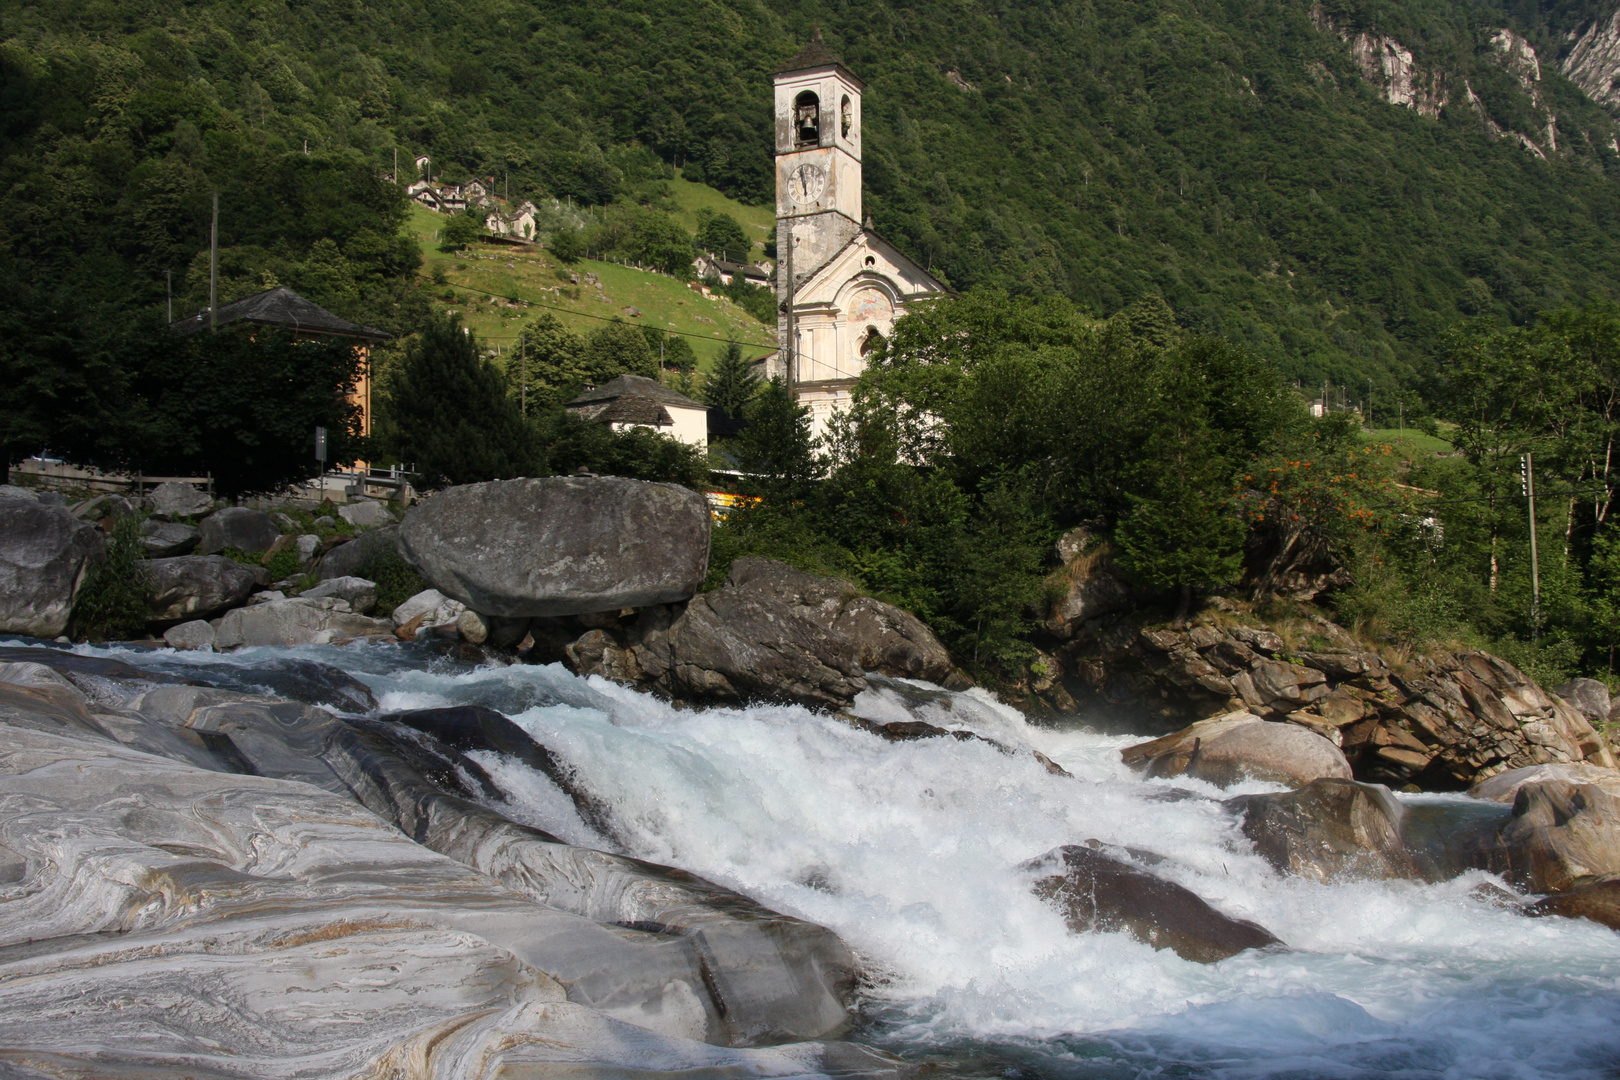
{"x": 1594, "y": 62}
{"x": 1390, "y": 66}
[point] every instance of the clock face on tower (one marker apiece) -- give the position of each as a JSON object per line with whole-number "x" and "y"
{"x": 806, "y": 183}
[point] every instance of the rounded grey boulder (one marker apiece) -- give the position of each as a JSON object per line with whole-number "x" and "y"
{"x": 165, "y": 538}
{"x": 195, "y": 587}
{"x": 44, "y": 555}
{"x": 237, "y": 527}
{"x": 174, "y": 498}
{"x": 560, "y": 545}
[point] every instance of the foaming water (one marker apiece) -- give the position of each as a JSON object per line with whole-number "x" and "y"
{"x": 911, "y": 851}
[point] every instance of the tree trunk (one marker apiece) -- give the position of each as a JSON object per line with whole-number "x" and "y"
{"x": 1184, "y": 607}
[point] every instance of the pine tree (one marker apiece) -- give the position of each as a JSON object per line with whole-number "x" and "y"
{"x": 776, "y": 447}
{"x": 732, "y": 384}
{"x": 451, "y": 414}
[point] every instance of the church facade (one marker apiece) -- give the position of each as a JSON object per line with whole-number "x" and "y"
{"x": 840, "y": 286}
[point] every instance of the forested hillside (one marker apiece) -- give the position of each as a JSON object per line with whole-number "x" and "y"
{"x": 1241, "y": 160}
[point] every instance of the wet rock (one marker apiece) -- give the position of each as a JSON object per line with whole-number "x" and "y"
{"x": 430, "y": 607}
{"x": 1559, "y": 834}
{"x": 560, "y": 545}
{"x": 893, "y": 641}
{"x": 365, "y": 514}
{"x": 237, "y": 527}
{"x": 1236, "y": 746}
{"x": 196, "y": 634}
{"x": 346, "y": 559}
{"x": 1097, "y": 891}
{"x": 12, "y": 491}
{"x": 360, "y": 593}
{"x": 195, "y": 587}
{"x": 1598, "y": 901}
{"x": 45, "y": 553}
{"x": 732, "y": 645}
{"x": 176, "y": 499}
{"x": 1329, "y": 830}
{"x": 1588, "y": 697}
{"x": 1504, "y": 786}
{"x": 166, "y": 539}
{"x": 299, "y": 621}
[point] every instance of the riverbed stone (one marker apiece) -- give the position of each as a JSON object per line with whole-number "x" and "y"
{"x": 346, "y": 559}
{"x": 195, "y": 587}
{"x": 1239, "y": 745}
{"x": 298, "y": 621}
{"x": 174, "y": 498}
{"x": 1329, "y": 830}
{"x": 360, "y": 593}
{"x": 1096, "y": 889}
{"x": 237, "y": 527}
{"x": 196, "y": 634}
{"x": 430, "y": 607}
{"x": 365, "y": 514}
{"x": 1560, "y": 834}
{"x": 45, "y": 555}
{"x": 1504, "y": 786}
{"x": 561, "y": 545}
{"x": 166, "y": 539}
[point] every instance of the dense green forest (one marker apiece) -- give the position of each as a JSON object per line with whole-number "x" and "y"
{"x": 1230, "y": 158}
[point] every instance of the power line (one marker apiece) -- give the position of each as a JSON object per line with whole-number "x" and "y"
{"x": 1420, "y": 504}
{"x": 585, "y": 315}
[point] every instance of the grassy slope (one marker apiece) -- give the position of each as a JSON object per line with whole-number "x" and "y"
{"x": 690, "y": 197}
{"x": 1410, "y": 441}
{"x": 531, "y": 274}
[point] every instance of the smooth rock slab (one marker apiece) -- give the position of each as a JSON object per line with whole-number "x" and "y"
{"x": 299, "y": 621}
{"x": 237, "y": 527}
{"x": 195, "y": 586}
{"x": 1329, "y": 830}
{"x": 196, "y": 634}
{"x": 1504, "y": 786}
{"x": 1561, "y": 833}
{"x": 560, "y": 545}
{"x": 430, "y": 607}
{"x": 45, "y": 553}
{"x": 183, "y": 922}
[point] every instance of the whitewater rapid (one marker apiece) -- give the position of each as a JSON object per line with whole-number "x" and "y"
{"x": 911, "y": 851}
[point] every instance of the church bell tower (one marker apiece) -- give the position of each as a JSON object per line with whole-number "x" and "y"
{"x": 818, "y": 173}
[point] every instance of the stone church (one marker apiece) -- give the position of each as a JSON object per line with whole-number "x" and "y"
{"x": 840, "y": 286}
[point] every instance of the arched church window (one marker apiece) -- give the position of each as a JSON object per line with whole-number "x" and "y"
{"x": 807, "y": 118}
{"x": 846, "y": 116}
{"x": 871, "y": 342}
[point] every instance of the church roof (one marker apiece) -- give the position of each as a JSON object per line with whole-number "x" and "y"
{"x": 279, "y": 307}
{"x": 634, "y": 387}
{"x": 869, "y": 235}
{"x": 814, "y": 55}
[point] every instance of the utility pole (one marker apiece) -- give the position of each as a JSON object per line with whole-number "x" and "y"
{"x": 168, "y": 290}
{"x": 787, "y": 346}
{"x": 1369, "y": 403}
{"x": 1528, "y": 475}
{"x": 213, "y": 268}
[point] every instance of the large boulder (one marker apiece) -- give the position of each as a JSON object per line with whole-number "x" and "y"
{"x": 166, "y": 539}
{"x": 1589, "y": 697}
{"x": 195, "y": 587}
{"x": 1329, "y": 830}
{"x": 298, "y": 621}
{"x": 561, "y": 545}
{"x": 346, "y": 559}
{"x": 237, "y": 527}
{"x": 1504, "y": 786}
{"x": 1096, "y": 890}
{"x": 732, "y": 645}
{"x": 1561, "y": 833}
{"x": 1087, "y": 587}
{"x": 45, "y": 553}
{"x": 1237, "y": 746}
{"x": 173, "y": 498}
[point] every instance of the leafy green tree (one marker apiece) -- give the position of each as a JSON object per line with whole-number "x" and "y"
{"x": 547, "y": 367}
{"x": 617, "y": 348}
{"x": 568, "y": 245}
{"x": 733, "y": 383}
{"x": 720, "y": 235}
{"x": 573, "y": 442}
{"x": 453, "y": 420}
{"x": 459, "y": 231}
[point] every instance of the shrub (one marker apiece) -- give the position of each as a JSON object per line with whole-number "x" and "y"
{"x": 111, "y": 604}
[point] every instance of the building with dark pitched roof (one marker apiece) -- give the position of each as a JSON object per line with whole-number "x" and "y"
{"x": 286, "y": 310}
{"x": 636, "y": 401}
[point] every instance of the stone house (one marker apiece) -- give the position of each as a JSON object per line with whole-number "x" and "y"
{"x": 631, "y": 401}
